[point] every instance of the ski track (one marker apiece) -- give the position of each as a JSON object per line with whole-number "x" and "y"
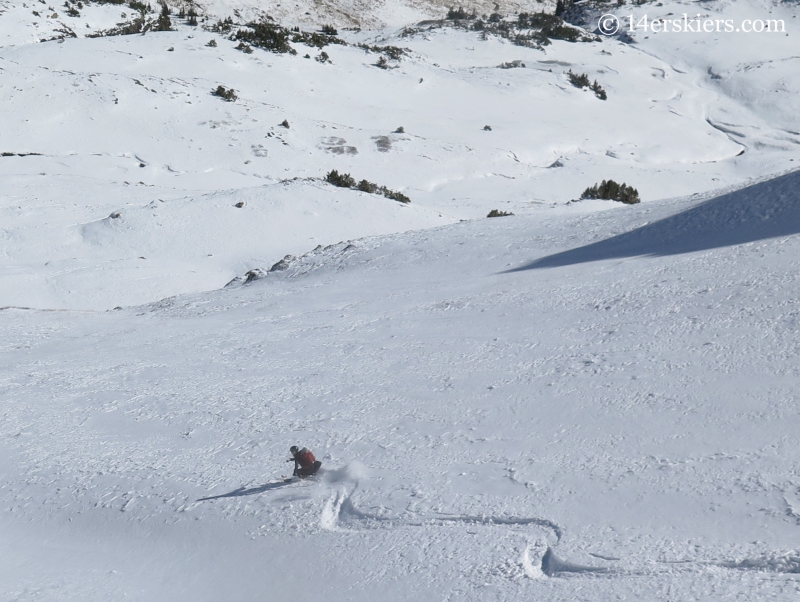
{"x": 339, "y": 513}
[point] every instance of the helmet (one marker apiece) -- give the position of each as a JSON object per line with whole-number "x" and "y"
{"x": 294, "y": 449}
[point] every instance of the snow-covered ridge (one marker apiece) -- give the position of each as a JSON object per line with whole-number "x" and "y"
{"x": 38, "y": 20}
{"x": 762, "y": 211}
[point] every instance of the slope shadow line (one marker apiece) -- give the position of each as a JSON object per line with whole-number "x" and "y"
{"x": 769, "y": 209}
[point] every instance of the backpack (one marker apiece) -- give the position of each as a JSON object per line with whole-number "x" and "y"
{"x": 305, "y": 458}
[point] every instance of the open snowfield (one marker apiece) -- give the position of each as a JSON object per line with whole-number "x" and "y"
{"x": 583, "y": 401}
{"x": 479, "y": 394}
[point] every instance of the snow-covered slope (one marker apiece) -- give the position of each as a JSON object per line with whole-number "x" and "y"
{"x": 583, "y": 401}
{"x": 38, "y": 19}
{"x": 93, "y": 126}
{"x": 491, "y": 428}
{"x": 144, "y": 252}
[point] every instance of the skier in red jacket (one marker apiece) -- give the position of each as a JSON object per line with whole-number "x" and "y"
{"x": 305, "y": 465}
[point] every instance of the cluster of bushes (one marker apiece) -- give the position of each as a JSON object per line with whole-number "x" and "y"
{"x": 64, "y": 31}
{"x": 388, "y": 53}
{"x": 317, "y": 40}
{"x": 223, "y": 26}
{"x": 496, "y": 213}
{"x": 73, "y": 10}
{"x": 266, "y": 35}
{"x": 164, "y": 23}
{"x": 551, "y": 27}
{"x": 270, "y": 36}
{"x": 190, "y": 16}
{"x": 578, "y": 80}
{"x": 610, "y": 190}
{"x": 563, "y": 5}
{"x": 140, "y": 7}
{"x": 138, "y": 25}
{"x": 224, "y": 93}
{"x": 533, "y": 30}
{"x": 582, "y": 81}
{"x": 459, "y": 14}
{"x": 345, "y": 180}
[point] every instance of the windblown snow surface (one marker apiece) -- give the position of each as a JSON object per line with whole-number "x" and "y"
{"x": 582, "y": 401}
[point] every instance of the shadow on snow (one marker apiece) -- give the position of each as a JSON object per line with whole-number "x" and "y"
{"x": 765, "y": 210}
{"x": 242, "y": 491}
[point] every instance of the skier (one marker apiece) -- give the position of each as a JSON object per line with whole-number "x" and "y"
{"x": 304, "y": 463}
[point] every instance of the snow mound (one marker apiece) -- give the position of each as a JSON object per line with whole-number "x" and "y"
{"x": 552, "y": 566}
{"x": 291, "y": 266}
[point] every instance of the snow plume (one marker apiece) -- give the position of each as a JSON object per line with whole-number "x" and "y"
{"x": 350, "y": 473}
{"x": 342, "y": 482}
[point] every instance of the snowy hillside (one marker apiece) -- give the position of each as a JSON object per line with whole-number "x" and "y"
{"x": 585, "y": 400}
{"x": 491, "y": 428}
{"x": 128, "y": 125}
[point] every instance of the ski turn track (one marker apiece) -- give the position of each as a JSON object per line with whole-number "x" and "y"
{"x": 339, "y": 513}
{"x": 538, "y": 558}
